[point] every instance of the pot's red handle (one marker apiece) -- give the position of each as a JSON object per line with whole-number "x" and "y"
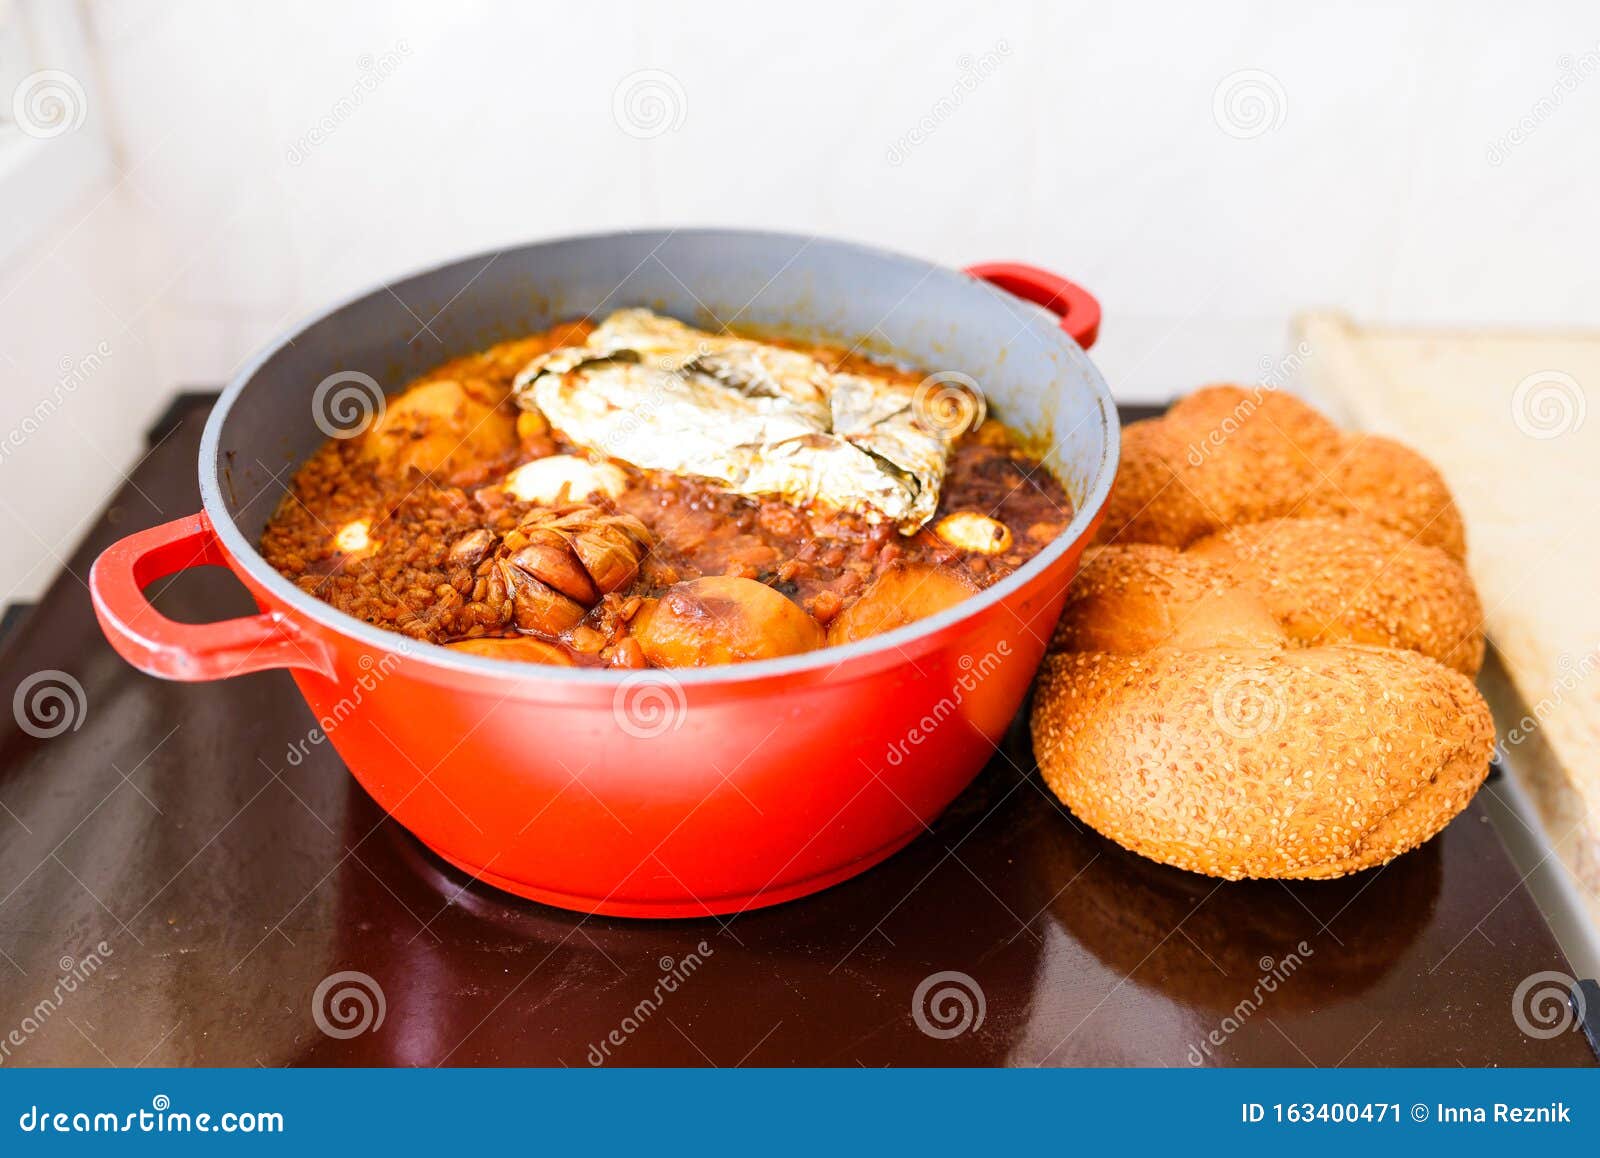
{"x": 187, "y": 651}
{"x": 1077, "y": 307}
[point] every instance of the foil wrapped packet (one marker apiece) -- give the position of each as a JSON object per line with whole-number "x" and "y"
{"x": 758, "y": 418}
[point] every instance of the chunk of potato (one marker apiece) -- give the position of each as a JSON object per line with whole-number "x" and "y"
{"x": 901, "y": 595}
{"x": 439, "y": 428}
{"x": 722, "y": 619}
{"x": 519, "y": 647}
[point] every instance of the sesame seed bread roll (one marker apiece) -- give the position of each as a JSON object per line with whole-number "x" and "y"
{"x": 1268, "y": 672}
{"x": 1347, "y": 581}
{"x": 1226, "y": 456}
{"x": 1304, "y": 581}
{"x": 1238, "y": 763}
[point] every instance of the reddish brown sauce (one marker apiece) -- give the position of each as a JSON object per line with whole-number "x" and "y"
{"x": 425, "y": 489}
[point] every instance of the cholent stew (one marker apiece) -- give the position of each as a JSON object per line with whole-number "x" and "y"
{"x": 644, "y": 494}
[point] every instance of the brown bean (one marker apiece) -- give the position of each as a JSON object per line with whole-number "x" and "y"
{"x": 629, "y": 654}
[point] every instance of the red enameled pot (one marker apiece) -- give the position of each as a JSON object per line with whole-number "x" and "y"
{"x": 651, "y": 794}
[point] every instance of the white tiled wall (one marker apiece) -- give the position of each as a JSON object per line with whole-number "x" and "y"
{"x": 1090, "y": 144}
